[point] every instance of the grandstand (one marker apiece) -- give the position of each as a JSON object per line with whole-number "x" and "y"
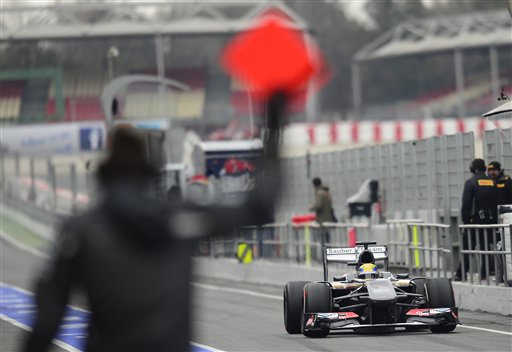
{"x": 70, "y": 90}
{"x": 10, "y": 100}
{"x": 86, "y": 68}
{"x": 472, "y": 35}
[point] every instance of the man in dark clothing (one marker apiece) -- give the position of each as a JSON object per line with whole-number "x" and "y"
{"x": 503, "y": 182}
{"x": 323, "y": 202}
{"x": 322, "y": 208}
{"x": 131, "y": 253}
{"x": 479, "y": 206}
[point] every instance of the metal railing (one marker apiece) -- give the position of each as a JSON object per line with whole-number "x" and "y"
{"x": 298, "y": 243}
{"x": 485, "y": 246}
{"x": 398, "y": 241}
{"x": 429, "y": 250}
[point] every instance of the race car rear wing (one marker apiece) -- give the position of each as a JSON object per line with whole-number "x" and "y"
{"x": 350, "y": 255}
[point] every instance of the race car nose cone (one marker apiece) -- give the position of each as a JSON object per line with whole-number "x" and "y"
{"x": 381, "y": 290}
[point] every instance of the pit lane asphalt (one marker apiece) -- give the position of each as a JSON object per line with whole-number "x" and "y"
{"x": 226, "y": 316}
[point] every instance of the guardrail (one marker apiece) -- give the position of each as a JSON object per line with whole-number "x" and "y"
{"x": 398, "y": 242}
{"x": 493, "y": 255}
{"x": 299, "y": 243}
{"x": 422, "y": 248}
{"x": 428, "y": 251}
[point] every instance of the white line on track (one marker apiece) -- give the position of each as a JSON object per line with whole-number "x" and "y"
{"x": 59, "y": 343}
{"x": 275, "y": 297}
{"x": 484, "y": 329}
{"x": 205, "y": 347}
{"x": 22, "y": 246}
{"x": 236, "y": 290}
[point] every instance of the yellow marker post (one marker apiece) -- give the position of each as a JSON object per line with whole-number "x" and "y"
{"x": 244, "y": 253}
{"x": 415, "y": 243}
{"x": 307, "y": 241}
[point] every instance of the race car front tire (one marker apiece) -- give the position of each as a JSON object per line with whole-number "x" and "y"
{"x": 439, "y": 294}
{"x": 292, "y": 306}
{"x": 317, "y": 299}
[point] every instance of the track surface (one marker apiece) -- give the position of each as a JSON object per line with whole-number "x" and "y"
{"x": 228, "y": 317}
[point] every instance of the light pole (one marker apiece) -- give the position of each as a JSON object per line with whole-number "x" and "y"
{"x": 112, "y": 54}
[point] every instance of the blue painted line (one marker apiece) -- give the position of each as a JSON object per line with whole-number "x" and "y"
{"x": 19, "y": 306}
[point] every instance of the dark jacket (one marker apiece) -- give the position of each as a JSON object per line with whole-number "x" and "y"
{"x": 504, "y": 184}
{"x": 323, "y": 205}
{"x": 479, "y": 200}
{"x": 132, "y": 256}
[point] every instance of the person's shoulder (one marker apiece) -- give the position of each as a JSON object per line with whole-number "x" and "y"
{"x": 472, "y": 180}
{"x": 323, "y": 191}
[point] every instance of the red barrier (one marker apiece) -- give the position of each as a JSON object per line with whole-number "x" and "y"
{"x": 303, "y": 218}
{"x": 352, "y": 236}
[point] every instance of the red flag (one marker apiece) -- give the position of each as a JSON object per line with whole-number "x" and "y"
{"x": 271, "y": 58}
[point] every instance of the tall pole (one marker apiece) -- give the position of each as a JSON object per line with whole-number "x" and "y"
{"x": 495, "y": 80}
{"x": 160, "y": 67}
{"x": 251, "y": 111}
{"x": 357, "y": 99}
{"x": 459, "y": 81}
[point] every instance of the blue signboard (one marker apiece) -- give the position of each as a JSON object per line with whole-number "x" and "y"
{"x": 91, "y": 138}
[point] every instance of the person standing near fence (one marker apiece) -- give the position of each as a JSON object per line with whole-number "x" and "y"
{"x": 503, "y": 182}
{"x": 322, "y": 208}
{"x": 504, "y": 185}
{"x": 479, "y": 206}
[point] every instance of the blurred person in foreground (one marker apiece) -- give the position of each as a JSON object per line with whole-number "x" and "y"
{"x": 479, "y": 207}
{"x": 131, "y": 253}
{"x": 503, "y": 182}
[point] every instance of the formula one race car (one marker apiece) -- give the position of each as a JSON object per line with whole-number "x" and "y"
{"x": 367, "y": 300}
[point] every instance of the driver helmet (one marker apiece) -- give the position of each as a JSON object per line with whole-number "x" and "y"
{"x": 367, "y": 271}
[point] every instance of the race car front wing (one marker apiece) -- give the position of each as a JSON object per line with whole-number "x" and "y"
{"x": 418, "y": 318}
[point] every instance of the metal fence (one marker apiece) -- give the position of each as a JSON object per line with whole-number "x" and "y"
{"x": 484, "y": 247}
{"x": 498, "y": 147}
{"x": 429, "y": 251}
{"x": 421, "y": 178}
{"x": 301, "y": 244}
{"x": 53, "y": 184}
{"x": 398, "y": 241}
{"x": 417, "y": 179}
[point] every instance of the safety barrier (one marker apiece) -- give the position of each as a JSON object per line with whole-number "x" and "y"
{"x": 485, "y": 248}
{"x": 420, "y": 178}
{"x": 50, "y": 184}
{"x": 398, "y": 241}
{"x": 429, "y": 251}
{"x": 299, "y": 243}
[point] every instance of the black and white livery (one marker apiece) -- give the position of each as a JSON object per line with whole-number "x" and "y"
{"x": 367, "y": 300}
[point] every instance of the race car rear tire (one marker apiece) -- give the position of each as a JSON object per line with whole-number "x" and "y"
{"x": 439, "y": 294}
{"x": 317, "y": 299}
{"x": 292, "y": 306}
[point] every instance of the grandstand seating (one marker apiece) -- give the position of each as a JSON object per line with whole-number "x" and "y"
{"x": 443, "y": 102}
{"x": 143, "y": 101}
{"x": 10, "y": 99}
{"x": 81, "y": 97}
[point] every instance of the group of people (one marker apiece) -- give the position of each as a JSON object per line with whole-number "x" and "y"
{"x": 482, "y": 194}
